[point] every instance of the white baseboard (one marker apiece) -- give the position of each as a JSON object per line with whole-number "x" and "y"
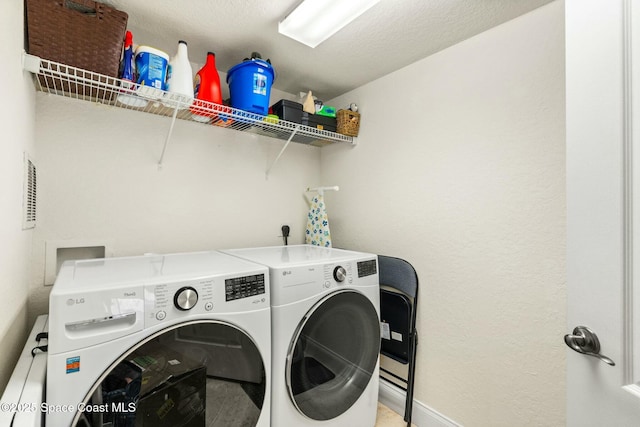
{"x": 423, "y": 416}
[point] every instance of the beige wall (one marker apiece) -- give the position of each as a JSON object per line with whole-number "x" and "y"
{"x": 460, "y": 169}
{"x": 16, "y": 122}
{"x": 99, "y": 183}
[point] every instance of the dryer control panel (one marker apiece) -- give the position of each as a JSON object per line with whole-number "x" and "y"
{"x": 299, "y": 282}
{"x": 338, "y": 274}
{"x": 367, "y": 268}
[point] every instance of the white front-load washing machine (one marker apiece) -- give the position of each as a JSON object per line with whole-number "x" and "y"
{"x": 325, "y": 335}
{"x": 160, "y": 340}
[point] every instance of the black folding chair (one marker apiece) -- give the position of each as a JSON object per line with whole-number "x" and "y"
{"x": 398, "y": 302}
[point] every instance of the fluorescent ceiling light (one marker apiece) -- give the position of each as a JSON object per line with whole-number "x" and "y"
{"x": 314, "y": 21}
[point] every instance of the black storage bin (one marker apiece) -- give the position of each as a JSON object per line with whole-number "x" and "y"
{"x": 290, "y": 111}
{"x": 319, "y": 122}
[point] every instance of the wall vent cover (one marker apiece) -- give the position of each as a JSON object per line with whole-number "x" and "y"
{"x": 29, "y": 194}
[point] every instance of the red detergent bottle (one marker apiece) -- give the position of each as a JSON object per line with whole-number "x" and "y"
{"x": 206, "y": 89}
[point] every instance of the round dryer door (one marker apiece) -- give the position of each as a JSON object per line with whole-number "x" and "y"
{"x": 195, "y": 373}
{"x": 333, "y": 355}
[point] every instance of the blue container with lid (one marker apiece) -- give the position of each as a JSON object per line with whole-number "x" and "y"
{"x": 250, "y": 84}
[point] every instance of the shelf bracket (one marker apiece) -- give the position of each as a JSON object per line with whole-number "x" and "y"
{"x": 282, "y": 151}
{"x": 30, "y": 63}
{"x": 166, "y": 141}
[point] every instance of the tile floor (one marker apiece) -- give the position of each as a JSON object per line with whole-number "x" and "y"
{"x": 388, "y": 418}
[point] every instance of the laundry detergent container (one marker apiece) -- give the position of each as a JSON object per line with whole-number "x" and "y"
{"x": 250, "y": 85}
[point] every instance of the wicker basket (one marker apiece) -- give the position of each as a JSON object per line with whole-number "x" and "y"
{"x": 348, "y": 122}
{"x": 82, "y": 33}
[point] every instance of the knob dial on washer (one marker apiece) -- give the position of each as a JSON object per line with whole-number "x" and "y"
{"x": 339, "y": 273}
{"x": 186, "y": 298}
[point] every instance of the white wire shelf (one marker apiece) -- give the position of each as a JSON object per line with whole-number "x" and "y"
{"x": 71, "y": 82}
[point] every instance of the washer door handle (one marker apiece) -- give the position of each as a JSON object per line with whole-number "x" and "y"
{"x": 585, "y": 341}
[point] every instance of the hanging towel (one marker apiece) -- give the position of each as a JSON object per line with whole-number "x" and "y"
{"x": 318, "y": 233}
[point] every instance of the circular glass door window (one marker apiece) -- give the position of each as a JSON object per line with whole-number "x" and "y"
{"x": 197, "y": 373}
{"x": 333, "y": 355}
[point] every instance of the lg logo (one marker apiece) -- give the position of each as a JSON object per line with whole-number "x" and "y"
{"x": 73, "y": 301}
{"x": 286, "y": 273}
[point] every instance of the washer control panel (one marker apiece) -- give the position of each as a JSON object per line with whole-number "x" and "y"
{"x": 167, "y": 301}
{"x": 244, "y": 287}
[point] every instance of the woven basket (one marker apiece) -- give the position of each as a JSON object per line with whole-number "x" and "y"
{"x": 81, "y": 33}
{"x": 348, "y": 122}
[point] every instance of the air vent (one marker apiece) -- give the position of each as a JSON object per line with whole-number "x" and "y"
{"x": 29, "y": 200}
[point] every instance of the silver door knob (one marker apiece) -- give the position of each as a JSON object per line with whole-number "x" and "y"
{"x": 585, "y": 341}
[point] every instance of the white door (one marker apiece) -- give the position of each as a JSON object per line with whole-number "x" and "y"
{"x": 603, "y": 223}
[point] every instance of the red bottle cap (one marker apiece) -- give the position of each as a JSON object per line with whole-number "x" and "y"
{"x": 128, "y": 39}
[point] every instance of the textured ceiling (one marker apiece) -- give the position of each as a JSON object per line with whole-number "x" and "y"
{"x": 391, "y": 35}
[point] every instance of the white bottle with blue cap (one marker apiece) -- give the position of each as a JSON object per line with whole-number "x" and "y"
{"x": 180, "y": 78}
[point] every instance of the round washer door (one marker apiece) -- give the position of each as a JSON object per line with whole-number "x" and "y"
{"x": 333, "y": 355}
{"x": 203, "y": 372}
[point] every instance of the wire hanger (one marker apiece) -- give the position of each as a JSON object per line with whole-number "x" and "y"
{"x": 321, "y": 190}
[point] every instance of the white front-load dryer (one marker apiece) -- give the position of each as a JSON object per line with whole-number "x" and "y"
{"x": 159, "y": 340}
{"x": 325, "y": 335}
